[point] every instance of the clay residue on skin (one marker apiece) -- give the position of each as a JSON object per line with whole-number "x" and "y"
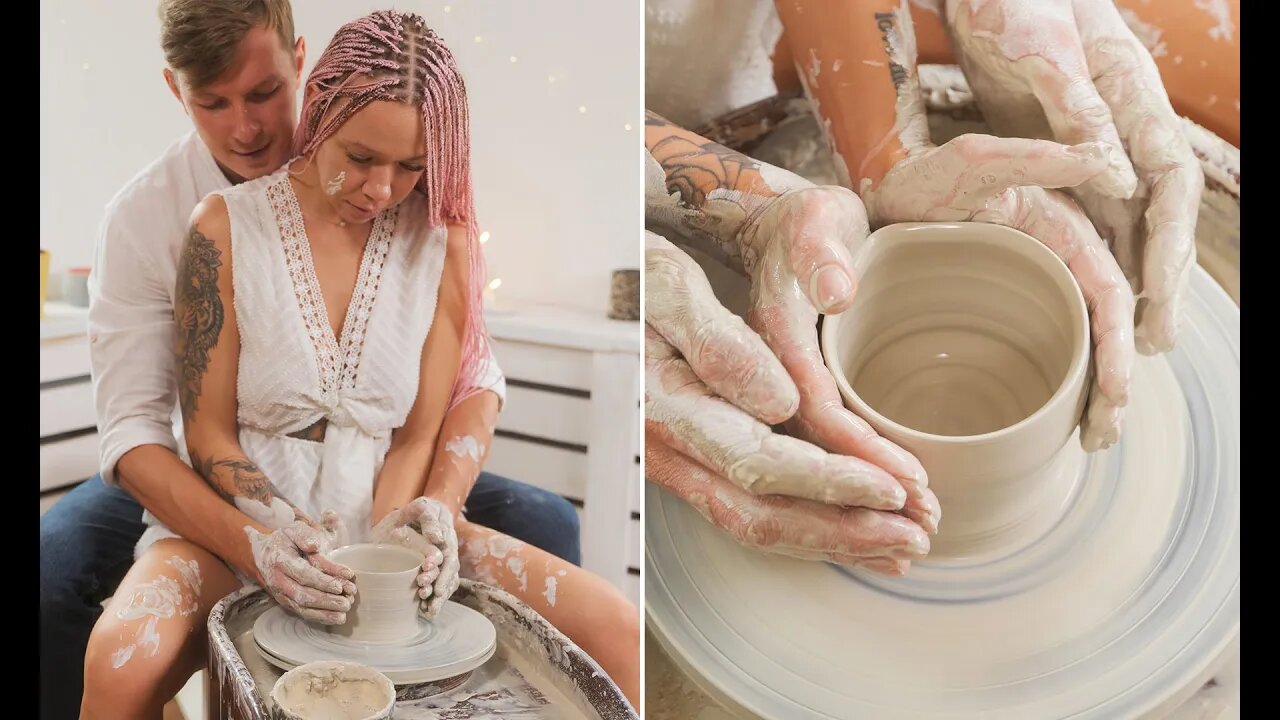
{"x": 148, "y": 638}
{"x": 1220, "y": 11}
{"x": 912, "y": 121}
{"x": 160, "y": 598}
{"x": 121, "y": 656}
{"x": 815, "y": 67}
{"x": 1147, "y": 33}
{"x": 277, "y": 515}
{"x": 190, "y": 571}
{"x": 500, "y": 547}
{"x": 516, "y": 565}
{"x": 842, "y": 170}
{"x": 550, "y": 592}
{"x": 464, "y": 446}
{"x": 335, "y": 185}
{"x": 157, "y": 600}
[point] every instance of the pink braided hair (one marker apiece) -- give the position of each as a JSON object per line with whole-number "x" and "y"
{"x": 409, "y": 63}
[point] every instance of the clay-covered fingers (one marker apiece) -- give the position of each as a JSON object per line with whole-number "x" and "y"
{"x": 989, "y": 165}
{"x": 819, "y": 227}
{"x": 1127, "y": 78}
{"x": 692, "y": 419}
{"x": 788, "y": 323}
{"x": 723, "y": 352}
{"x": 954, "y": 180}
{"x": 787, "y": 526}
{"x": 444, "y": 585}
{"x": 1055, "y": 220}
{"x": 309, "y": 589}
{"x": 285, "y": 560}
{"x": 313, "y": 544}
{"x": 1170, "y": 223}
{"x": 1043, "y": 51}
{"x": 332, "y": 523}
{"x": 311, "y": 614}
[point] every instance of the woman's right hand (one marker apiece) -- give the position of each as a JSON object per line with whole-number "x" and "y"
{"x": 293, "y": 568}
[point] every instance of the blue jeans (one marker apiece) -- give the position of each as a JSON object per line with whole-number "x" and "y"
{"x": 86, "y": 547}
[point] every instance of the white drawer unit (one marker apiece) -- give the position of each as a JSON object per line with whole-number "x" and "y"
{"x": 571, "y": 425}
{"x": 68, "y": 431}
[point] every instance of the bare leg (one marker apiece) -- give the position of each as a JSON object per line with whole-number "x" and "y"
{"x": 593, "y": 613}
{"x": 152, "y": 636}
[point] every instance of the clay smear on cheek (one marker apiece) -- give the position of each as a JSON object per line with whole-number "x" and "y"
{"x": 335, "y": 185}
{"x": 157, "y": 600}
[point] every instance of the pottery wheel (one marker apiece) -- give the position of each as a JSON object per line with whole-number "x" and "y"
{"x": 1121, "y": 607}
{"x": 458, "y": 641}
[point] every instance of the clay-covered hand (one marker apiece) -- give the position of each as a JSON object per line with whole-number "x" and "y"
{"x": 1003, "y": 181}
{"x": 1073, "y": 71}
{"x": 426, "y": 526}
{"x": 711, "y": 385}
{"x": 294, "y": 569}
{"x": 796, "y": 252}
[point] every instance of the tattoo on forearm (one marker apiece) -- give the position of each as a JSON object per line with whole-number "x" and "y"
{"x": 199, "y": 315}
{"x": 696, "y": 170}
{"x": 239, "y": 477}
{"x": 891, "y": 33}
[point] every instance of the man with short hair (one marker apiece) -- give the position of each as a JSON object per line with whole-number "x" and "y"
{"x": 235, "y": 67}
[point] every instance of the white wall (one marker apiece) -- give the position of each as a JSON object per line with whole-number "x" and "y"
{"x": 558, "y": 190}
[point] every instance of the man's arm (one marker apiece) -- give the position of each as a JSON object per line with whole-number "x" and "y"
{"x": 705, "y": 194}
{"x": 131, "y": 356}
{"x": 208, "y": 356}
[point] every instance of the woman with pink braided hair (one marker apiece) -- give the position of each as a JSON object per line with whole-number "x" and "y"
{"x": 328, "y": 315}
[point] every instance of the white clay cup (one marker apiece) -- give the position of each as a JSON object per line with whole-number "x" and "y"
{"x": 968, "y": 345}
{"x": 333, "y": 689}
{"x": 385, "y": 609}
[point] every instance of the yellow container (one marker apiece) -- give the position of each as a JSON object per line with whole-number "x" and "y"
{"x": 44, "y": 278}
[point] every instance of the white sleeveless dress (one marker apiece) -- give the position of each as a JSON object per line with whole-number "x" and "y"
{"x": 294, "y": 372}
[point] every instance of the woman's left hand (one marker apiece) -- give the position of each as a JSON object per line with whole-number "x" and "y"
{"x": 1072, "y": 70}
{"x": 1005, "y": 181}
{"x": 426, "y": 526}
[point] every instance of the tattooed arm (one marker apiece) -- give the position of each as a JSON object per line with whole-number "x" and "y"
{"x": 208, "y": 351}
{"x": 705, "y": 193}
{"x": 792, "y": 240}
{"x": 285, "y": 547}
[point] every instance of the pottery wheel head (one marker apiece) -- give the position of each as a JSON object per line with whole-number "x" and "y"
{"x": 456, "y": 642}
